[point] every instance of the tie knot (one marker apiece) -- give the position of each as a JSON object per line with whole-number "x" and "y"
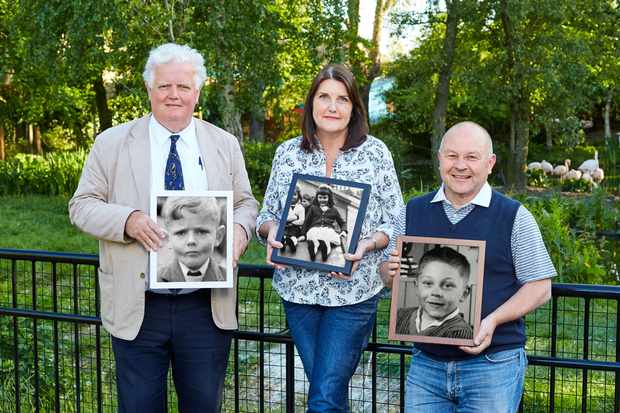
{"x": 174, "y": 138}
{"x": 193, "y": 273}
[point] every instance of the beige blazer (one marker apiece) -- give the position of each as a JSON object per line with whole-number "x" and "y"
{"x": 115, "y": 182}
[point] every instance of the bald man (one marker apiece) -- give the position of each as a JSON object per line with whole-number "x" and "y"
{"x": 489, "y": 376}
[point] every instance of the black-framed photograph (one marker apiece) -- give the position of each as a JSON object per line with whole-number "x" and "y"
{"x": 437, "y": 297}
{"x": 322, "y": 220}
{"x": 197, "y": 251}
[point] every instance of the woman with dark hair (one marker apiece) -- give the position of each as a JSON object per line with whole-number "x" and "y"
{"x": 331, "y": 314}
{"x": 324, "y": 226}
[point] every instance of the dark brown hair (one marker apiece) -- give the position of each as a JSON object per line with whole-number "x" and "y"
{"x": 324, "y": 190}
{"x": 358, "y": 127}
{"x": 448, "y": 256}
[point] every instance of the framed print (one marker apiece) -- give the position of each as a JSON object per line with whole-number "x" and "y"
{"x": 197, "y": 251}
{"x": 322, "y": 221}
{"x": 437, "y": 296}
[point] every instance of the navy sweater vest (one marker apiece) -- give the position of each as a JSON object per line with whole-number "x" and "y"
{"x": 493, "y": 225}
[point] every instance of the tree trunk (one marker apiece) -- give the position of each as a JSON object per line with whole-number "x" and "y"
{"x": 606, "y": 112}
{"x": 231, "y": 117}
{"x": 170, "y": 22}
{"x": 353, "y": 12}
{"x": 519, "y": 108}
{"x": 37, "y": 146}
{"x": 442, "y": 93}
{"x": 2, "y": 151}
{"x": 257, "y": 115}
{"x": 30, "y": 136}
{"x": 381, "y": 8}
{"x": 548, "y": 137}
{"x": 522, "y": 137}
{"x": 257, "y": 126}
{"x": 101, "y": 101}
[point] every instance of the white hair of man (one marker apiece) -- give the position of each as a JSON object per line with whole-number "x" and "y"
{"x": 472, "y": 126}
{"x": 175, "y": 53}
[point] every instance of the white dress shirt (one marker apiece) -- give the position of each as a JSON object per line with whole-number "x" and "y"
{"x": 192, "y": 165}
{"x": 194, "y": 175}
{"x": 194, "y": 278}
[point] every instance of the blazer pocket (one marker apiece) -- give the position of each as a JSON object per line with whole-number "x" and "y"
{"x": 106, "y": 294}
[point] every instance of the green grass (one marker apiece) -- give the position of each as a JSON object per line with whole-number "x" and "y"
{"x": 41, "y": 223}
{"x": 38, "y": 222}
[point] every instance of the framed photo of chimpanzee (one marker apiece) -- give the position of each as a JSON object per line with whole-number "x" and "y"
{"x": 322, "y": 220}
{"x": 197, "y": 250}
{"x": 437, "y": 297}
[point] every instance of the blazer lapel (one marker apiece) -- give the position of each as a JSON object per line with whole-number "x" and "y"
{"x": 210, "y": 155}
{"x": 139, "y": 146}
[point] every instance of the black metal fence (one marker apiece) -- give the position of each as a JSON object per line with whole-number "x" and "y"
{"x": 55, "y": 357}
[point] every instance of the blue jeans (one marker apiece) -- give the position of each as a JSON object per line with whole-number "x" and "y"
{"x": 330, "y": 341}
{"x": 486, "y": 383}
{"x": 177, "y": 330}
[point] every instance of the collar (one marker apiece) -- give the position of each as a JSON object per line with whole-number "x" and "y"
{"x": 418, "y": 319}
{"x": 482, "y": 198}
{"x": 202, "y": 269}
{"x": 160, "y": 134}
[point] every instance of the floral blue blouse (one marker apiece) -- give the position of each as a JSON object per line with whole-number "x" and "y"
{"x": 371, "y": 163}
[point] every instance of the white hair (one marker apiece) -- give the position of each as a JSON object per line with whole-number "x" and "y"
{"x": 175, "y": 53}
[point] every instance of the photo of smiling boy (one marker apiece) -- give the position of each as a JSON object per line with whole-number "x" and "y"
{"x": 194, "y": 231}
{"x": 441, "y": 286}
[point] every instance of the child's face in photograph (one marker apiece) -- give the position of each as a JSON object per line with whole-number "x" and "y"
{"x": 440, "y": 289}
{"x": 306, "y": 202}
{"x": 322, "y": 199}
{"x": 193, "y": 238}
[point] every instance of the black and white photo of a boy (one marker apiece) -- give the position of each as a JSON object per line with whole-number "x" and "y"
{"x": 194, "y": 231}
{"x": 441, "y": 285}
{"x": 324, "y": 226}
{"x": 295, "y": 219}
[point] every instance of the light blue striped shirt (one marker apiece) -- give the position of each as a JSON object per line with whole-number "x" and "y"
{"x": 529, "y": 254}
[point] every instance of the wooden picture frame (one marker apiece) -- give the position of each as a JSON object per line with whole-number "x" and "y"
{"x": 433, "y": 299}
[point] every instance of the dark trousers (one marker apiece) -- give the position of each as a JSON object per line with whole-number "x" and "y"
{"x": 177, "y": 330}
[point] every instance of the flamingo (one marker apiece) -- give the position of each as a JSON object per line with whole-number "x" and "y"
{"x": 590, "y": 164}
{"x": 546, "y": 167}
{"x": 598, "y": 175}
{"x": 562, "y": 170}
{"x": 533, "y": 166}
{"x": 573, "y": 175}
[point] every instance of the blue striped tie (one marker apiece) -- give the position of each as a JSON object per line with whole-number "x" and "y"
{"x": 173, "y": 179}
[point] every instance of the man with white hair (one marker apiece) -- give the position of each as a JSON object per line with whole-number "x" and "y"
{"x": 489, "y": 376}
{"x": 168, "y": 149}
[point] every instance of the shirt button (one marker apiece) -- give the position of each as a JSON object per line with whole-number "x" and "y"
{"x": 142, "y": 275}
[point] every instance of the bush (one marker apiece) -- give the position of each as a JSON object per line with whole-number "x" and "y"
{"x": 58, "y": 173}
{"x": 258, "y": 157}
{"x": 578, "y": 256}
{"x": 51, "y": 174}
{"x": 537, "y": 178}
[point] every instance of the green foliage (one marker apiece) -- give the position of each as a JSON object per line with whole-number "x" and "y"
{"x": 51, "y": 174}
{"x": 129, "y": 107}
{"x": 411, "y": 167}
{"x": 596, "y": 213}
{"x": 537, "y": 178}
{"x": 576, "y": 185}
{"x": 578, "y": 257}
{"x": 258, "y": 157}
